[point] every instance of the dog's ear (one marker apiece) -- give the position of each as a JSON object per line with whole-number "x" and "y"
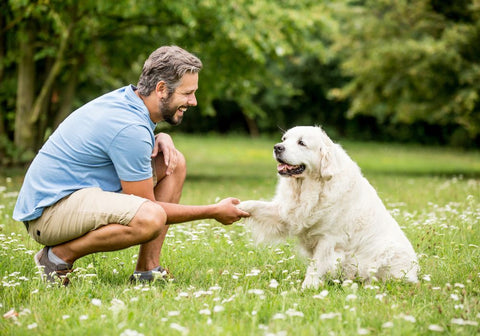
{"x": 328, "y": 163}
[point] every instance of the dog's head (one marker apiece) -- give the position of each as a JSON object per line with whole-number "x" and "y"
{"x": 305, "y": 151}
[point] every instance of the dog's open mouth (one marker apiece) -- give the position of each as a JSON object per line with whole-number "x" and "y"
{"x": 286, "y": 169}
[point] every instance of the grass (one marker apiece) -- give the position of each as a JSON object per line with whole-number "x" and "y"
{"x": 227, "y": 286}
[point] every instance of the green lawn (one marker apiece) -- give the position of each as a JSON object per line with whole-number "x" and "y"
{"x": 225, "y": 285}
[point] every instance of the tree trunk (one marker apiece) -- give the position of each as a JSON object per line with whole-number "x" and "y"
{"x": 252, "y": 126}
{"x": 29, "y": 110}
{"x": 67, "y": 96}
{"x": 52, "y": 75}
{"x": 2, "y": 60}
{"x": 24, "y": 129}
{"x": 2, "y": 41}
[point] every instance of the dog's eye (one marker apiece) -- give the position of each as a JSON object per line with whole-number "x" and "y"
{"x": 301, "y": 143}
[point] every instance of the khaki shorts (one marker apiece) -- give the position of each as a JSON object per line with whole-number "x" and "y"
{"x": 81, "y": 212}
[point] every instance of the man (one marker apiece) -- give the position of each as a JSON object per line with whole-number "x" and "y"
{"x": 104, "y": 182}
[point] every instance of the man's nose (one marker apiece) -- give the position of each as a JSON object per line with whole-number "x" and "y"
{"x": 192, "y": 100}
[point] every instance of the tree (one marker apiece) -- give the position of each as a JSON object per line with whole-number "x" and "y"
{"x": 245, "y": 46}
{"x": 413, "y": 61}
{"x": 61, "y": 53}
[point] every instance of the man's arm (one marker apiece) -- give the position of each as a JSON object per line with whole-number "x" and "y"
{"x": 224, "y": 212}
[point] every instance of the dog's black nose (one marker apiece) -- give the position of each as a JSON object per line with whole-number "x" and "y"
{"x": 279, "y": 148}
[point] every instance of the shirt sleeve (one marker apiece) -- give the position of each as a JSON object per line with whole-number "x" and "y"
{"x": 130, "y": 152}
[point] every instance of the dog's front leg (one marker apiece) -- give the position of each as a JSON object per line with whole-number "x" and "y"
{"x": 323, "y": 262}
{"x": 312, "y": 278}
{"x": 264, "y": 220}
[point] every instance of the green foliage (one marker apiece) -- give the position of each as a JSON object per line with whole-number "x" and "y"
{"x": 409, "y": 62}
{"x": 10, "y": 155}
{"x": 244, "y": 43}
{"x": 398, "y": 69}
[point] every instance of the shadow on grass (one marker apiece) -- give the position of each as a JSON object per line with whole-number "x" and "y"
{"x": 466, "y": 174}
{"x": 227, "y": 177}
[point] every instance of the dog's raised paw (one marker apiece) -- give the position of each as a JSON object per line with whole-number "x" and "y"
{"x": 247, "y": 206}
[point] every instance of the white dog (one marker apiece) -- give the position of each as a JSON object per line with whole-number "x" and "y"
{"x": 339, "y": 220}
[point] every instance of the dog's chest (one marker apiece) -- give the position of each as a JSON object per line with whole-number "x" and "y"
{"x": 299, "y": 209}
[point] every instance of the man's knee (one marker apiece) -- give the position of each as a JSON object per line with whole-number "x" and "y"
{"x": 180, "y": 171}
{"x": 149, "y": 221}
{"x": 181, "y": 165}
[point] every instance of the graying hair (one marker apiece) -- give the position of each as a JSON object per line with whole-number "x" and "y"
{"x": 168, "y": 64}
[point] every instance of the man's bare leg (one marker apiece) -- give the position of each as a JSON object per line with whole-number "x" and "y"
{"x": 168, "y": 189}
{"x": 148, "y": 223}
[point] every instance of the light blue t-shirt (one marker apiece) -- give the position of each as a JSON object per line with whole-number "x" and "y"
{"x": 107, "y": 140}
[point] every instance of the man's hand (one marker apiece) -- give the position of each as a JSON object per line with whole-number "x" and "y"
{"x": 164, "y": 144}
{"x": 227, "y": 213}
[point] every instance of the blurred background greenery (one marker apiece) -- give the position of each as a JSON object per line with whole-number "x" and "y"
{"x": 383, "y": 70}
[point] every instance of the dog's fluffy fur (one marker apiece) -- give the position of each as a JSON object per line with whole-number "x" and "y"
{"x": 339, "y": 220}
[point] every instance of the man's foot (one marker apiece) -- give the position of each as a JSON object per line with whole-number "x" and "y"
{"x": 51, "y": 271}
{"x": 149, "y": 276}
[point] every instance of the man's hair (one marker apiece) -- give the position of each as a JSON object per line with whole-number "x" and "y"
{"x": 168, "y": 64}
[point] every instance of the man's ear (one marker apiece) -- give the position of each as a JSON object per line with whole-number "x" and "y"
{"x": 161, "y": 89}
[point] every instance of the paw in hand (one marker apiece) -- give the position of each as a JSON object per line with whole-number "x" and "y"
{"x": 248, "y": 206}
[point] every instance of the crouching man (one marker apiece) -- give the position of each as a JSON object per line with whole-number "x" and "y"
{"x": 104, "y": 182}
